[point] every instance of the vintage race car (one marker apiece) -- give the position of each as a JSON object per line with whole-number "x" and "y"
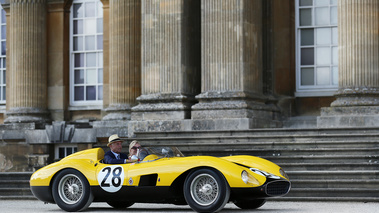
{"x": 159, "y": 175}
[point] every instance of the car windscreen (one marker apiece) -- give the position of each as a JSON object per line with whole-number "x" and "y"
{"x": 161, "y": 152}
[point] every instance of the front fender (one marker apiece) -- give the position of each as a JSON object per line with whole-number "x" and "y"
{"x": 258, "y": 163}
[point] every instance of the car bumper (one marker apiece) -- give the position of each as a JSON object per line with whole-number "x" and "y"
{"x": 42, "y": 193}
{"x": 272, "y": 188}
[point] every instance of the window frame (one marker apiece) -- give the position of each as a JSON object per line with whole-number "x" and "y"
{"x": 99, "y": 59}
{"x": 65, "y": 146}
{"x": 3, "y": 57}
{"x": 313, "y": 90}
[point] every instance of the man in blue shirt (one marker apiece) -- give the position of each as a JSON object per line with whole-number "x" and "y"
{"x": 114, "y": 156}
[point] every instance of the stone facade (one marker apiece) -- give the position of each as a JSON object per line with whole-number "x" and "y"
{"x": 174, "y": 65}
{"x": 357, "y": 101}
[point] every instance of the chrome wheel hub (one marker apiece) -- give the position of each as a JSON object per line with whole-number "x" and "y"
{"x": 204, "y": 189}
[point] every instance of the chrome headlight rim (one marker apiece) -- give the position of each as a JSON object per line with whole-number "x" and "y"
{"x": 283, "y": 173}
{"x": 263, "y": 173}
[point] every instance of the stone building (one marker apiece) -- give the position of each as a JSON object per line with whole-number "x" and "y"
{"x": 81, "y": 70}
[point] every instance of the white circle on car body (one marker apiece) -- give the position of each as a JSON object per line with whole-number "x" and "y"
{"x": 111, "y": 178}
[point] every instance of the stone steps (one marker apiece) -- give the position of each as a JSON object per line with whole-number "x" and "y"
{"x": 334, "y": 175}
{"x": 261, "y": 133}
{"x": 324, "y": 159}
{"x": 252, "y": 143}
{"x": 15, "y": 185}
{"x": 297, "y": 184}
{"x": 220, "y": 151}
{"x": 328, "y": 166}
{"x": 14, "y": 191}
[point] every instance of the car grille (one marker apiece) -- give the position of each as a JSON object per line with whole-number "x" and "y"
{"x": 278, "y": 188}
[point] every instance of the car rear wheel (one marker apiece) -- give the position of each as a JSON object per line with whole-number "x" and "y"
{"x": 120, "y": 204}
{"x": 250, "y": 204}
{"x": 206, "y": 190}
{"x": 71, "y": 191}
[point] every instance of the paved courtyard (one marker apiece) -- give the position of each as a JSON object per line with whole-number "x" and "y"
{"x": 28, "y": 206}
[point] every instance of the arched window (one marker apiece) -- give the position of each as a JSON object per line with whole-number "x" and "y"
{"x": 86, "y": 52}
{"x": 316, "y": 47}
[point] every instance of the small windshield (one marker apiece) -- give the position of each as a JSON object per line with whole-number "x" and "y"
{"x": 159, "y": 152}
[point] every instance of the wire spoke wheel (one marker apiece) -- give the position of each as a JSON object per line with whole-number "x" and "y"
{"x": 70, "y": 189}
{"x": 204, "y": 189}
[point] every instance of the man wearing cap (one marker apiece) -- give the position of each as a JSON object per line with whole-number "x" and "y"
{"x": 114, "y": 156}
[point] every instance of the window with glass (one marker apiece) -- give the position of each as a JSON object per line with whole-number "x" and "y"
{"x": 317, "y": 46}
{"x": 86, "y": 72}
{"x": 63, "y": 150}
{"x": 3, "y": 33}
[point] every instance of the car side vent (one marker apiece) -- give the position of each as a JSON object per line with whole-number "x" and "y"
{"x": 278, "y": 188}
{"x": 148, "y": 180}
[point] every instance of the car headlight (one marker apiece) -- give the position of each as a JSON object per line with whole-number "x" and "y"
{"x": 248, "y": 178}
{"x": 283, "y": 173}
{"x": 245, "y": 177}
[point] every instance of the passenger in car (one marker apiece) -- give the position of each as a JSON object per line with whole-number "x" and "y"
{"x": 114, "y": 156}
{"x": 134, "y": 148}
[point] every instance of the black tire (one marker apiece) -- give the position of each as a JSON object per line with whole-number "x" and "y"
{"x": 206, "y": 190}
{"x": 120, "y": 204}
{"x": 71, "y": 191}
{"x": 250, "y": 204}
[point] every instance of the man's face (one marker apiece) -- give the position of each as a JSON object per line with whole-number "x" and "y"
{"x": 116, "y": 147}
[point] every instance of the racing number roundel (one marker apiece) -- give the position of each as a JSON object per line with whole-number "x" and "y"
{"x": 111, "y": 178}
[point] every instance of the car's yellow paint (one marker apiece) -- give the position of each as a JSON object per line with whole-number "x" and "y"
{"x": 256, "y": 162}
{"x": 88, "y": 162}
{"x": 84, "y": 161}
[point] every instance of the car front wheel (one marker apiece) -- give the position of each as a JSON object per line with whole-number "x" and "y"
{"x": 206, "y": 190}
{"x": 71, "y": 191}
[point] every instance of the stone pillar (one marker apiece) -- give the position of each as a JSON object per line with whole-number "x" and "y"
{"x": 58, "y": 62}
{"x": 27, "y": 98}
{"x": 231, "y": 64}
{"x": 105, "y": 54}
{"x": 170, "y": 59}
{"x": 124, "y": 58}
{"x": 357, "y": 102}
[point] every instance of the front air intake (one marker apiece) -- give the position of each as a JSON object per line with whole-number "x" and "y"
{"x": 278, "y": 188}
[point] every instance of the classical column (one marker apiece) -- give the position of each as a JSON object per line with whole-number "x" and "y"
{"x": 357, "y": 102}
{"x": 231, "y": 65}
{"x": 170, "y": 59}
{"x": 124, "y": 58}
{"x": 58, "y": 16}
{"x": 27, "y": 98}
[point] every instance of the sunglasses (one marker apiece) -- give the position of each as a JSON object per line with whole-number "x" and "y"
{"x": 136, "y": 147}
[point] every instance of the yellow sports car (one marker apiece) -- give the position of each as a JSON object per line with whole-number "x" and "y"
{"x": 159, "y": 175}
